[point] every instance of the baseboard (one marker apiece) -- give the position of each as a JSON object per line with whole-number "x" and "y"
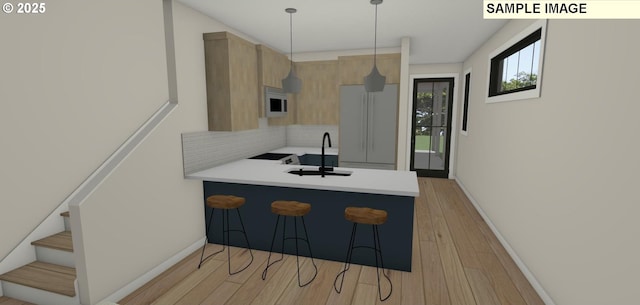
{"x": 139, "y": 282}
{"x": 521, "y": 265}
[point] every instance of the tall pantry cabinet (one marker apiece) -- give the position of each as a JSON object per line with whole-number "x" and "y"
{"x": 232, "y": 82}
{"x": 368, "y": 127}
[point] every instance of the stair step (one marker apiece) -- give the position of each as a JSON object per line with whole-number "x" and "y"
{"x": 39, "y": 275}
{"x": 10, "y": 301}
{"x": 67, "y": 220}
{"x": 61, "y": 241}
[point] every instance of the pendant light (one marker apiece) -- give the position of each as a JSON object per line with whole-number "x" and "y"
{"x": 292, "y": 83}
{"x": 374, "y": 81}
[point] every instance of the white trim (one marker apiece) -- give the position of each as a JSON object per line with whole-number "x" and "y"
{"x": 404, "y": 106}
{"x": 546, "y": 298}
{"x": 454, "y": 117}
{"x": 464, "y": 83}
{"x": 528, "y": 94}
{"x": 151, "y": 274}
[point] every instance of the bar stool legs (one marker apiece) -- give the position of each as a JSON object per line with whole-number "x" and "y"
{"x": 296, "y": 238}
{"x": 225, "y": 239}
{"x": 378, "y": 252}
{"x": 347, "y": 262}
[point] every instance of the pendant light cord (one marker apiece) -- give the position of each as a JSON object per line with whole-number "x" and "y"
{"x": 375, "y": 37}
{"x": 291, "y": 41}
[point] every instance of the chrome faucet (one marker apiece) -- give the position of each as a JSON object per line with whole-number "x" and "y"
{"x": 328, "y": 137}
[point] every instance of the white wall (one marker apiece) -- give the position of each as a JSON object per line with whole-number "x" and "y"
{"x": 75, "y": 83}
{"x": 157, "y": 211}
{"x": 557, "y": 174}
{"x": 435, "y": 68}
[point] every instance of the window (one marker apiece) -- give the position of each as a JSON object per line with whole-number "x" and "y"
{"x": 465, "y": 109}
{"x": 516, "y": 67}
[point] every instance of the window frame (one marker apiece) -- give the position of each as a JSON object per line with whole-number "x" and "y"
{"x": 513, "y": 45}
{"x": 466, "y": 93}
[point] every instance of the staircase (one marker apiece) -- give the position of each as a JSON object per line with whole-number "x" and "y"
{"x": 50, "y": 280}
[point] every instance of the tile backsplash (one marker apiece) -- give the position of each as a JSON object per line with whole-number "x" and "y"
{"x": 202, "y": 150}
{"x": 206, "y": 149}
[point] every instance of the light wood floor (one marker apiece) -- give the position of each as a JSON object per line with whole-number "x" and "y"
{"x": 456, "y": 260}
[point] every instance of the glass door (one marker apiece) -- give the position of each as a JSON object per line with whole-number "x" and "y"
{"x": 430, "y": 142}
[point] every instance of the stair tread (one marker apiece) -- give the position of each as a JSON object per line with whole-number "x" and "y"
{"x": 45, "y": 276}
{"x": 9, "y": 301}
{"x": 61, "y": 241}
{"x": 65, "y": 214}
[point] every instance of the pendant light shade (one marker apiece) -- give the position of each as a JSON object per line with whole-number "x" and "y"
{"x": 291, "y": 84}
{"x": 375, "y": 81}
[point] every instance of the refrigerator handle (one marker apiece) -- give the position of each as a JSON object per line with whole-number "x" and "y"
{"x": 373, "y": 115}
{"x": 362, "y": 120}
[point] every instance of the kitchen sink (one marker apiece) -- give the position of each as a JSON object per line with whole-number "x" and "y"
{"x": 316, "y": 172}
{"x": 270, "y": 156}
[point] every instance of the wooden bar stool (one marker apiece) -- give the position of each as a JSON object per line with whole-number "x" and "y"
{"x": 370, "y": 217}
{"x": 290, "y": 209}
{"x": 225, "y": 203}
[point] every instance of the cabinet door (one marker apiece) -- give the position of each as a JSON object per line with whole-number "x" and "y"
{"x": 318, "y": 101}
{"x": 382, "y": 127}
{"x": 353, "y": 124}
{"x": 232, "y": 82}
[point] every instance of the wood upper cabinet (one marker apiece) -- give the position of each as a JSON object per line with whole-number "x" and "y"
{"x": 232, "y": 82}
{"x": 272, "y": 68}
{"x": 318, "y": 103}
{"x": 353, "y": 69}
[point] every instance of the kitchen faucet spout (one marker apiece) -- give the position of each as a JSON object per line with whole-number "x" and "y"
{"x": 327, "y": 137}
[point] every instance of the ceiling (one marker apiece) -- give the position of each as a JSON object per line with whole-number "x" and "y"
{"x": 441, "y": 31}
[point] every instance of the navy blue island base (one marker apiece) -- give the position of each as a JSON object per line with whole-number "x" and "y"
{"x": 329, "y": 231}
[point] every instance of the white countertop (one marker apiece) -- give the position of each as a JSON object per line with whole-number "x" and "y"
{"x": 273, "y": 173}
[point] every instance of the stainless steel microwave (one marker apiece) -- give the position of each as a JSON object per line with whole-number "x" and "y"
{"x": 275, "y": 102}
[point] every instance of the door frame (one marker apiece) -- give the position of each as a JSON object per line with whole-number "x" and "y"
{"x": 454, "y": 118}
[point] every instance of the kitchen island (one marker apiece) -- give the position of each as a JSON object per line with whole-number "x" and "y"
{"x": 264, "y": 181}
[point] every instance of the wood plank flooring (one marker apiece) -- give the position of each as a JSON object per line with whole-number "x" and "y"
{"x": 456, "y": 260}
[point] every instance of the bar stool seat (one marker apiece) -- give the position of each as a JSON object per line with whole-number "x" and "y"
{"x": 225, "y": 203}
{"x": 295, "y": 209}
{"x": 290, "y": 208}
{"x": 366, "y": 216}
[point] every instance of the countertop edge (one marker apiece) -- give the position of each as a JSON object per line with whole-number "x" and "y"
{"x": 304, "y": 186}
